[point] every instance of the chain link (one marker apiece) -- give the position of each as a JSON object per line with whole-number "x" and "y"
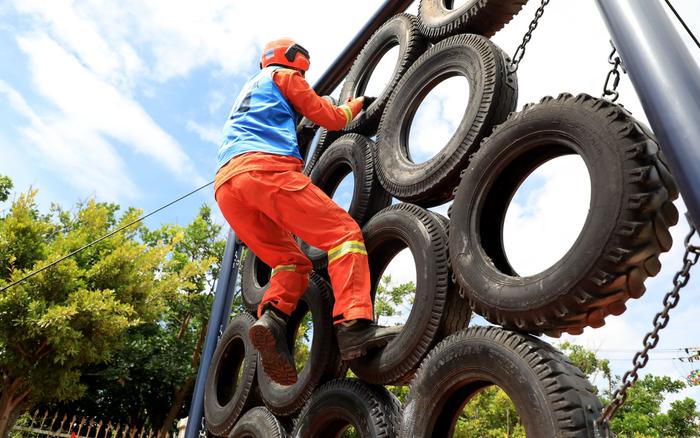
{"x": 612, "y": 80}
{"x": 641, "y": 358}
{"x": 203, "y": 429}
{"x": 520, "y": 51}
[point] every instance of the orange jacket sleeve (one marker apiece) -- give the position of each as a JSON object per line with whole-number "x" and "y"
{"x": 305, "y": 100}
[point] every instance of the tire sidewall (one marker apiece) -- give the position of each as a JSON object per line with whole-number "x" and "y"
{"x": 398, "y": 31}
{"x": 472, "y": 267}
{"x": 420, "y": 231}
{"x": 476, "y": 359}
{"x": 323, "y": 356}
{"x": 431, "y": 183}
{"x": 252, "y": 291}
{"x": 220, "y": 418}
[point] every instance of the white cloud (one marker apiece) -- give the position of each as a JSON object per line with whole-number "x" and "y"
{"x": 181, "y": 35}
{"x": 210, "y": 134}
{"x": 112, "y": 59}
{"x": 437, "y": 118}
{"x": 83, "y": 96}
{"x": 86, "y": 160}
{"x": 548, "y": 216}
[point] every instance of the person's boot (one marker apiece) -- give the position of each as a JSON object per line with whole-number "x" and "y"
{"x": 269, "y": 337}
{"x": 361, "y": 335}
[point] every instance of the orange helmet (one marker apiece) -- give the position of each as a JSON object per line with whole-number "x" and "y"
{"x": 285, "y": 52}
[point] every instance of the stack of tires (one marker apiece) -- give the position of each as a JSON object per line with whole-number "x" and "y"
{"x": 461, "y": 265}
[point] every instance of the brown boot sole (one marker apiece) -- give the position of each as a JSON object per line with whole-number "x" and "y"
{"x": 362, "y": 350}
{"x": 275, "y": 364}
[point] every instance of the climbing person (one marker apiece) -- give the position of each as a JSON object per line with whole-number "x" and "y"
{"x": 266, "y": 199}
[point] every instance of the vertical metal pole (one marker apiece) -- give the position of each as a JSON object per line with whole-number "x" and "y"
{"x": 225, "y": 289}
{"x": 667, "y": 80}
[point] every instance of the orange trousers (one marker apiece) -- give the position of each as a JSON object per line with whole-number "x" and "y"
{"x": 266, "y": 208}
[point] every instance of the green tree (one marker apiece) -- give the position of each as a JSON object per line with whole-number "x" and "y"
{"x": 683, "y": 419}
{"x": 591, "y": 365}
{"x": 491, "y": 414}
{"x": 150, "y": 380}
{"x": 388, "y": 298}
{"x": 77, "y": 312}
{"x": 641, "y": 414}
{"x": 5, "y": 187}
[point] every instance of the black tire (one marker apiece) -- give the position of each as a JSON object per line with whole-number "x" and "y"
{"x": 388, "y": 232}
{"x": 626, "y": 229}
{"x": 255, "y": 280}
{"x": 552, "y": 396}
{"x": 351, "y": 153}
{"x": 457, "y": 314}
{"x": 324, "y": 358}
{"x": 325, "y": 139}
{"x": 306, "y": 142}
{"x": 372, "y": 410}
{"x": 483, "y": 17}
{"x": 258, "y": 423}
{"x": 492, "y": 96}
{"x": 225, "y": 398}
{"x": 402, "y": 31}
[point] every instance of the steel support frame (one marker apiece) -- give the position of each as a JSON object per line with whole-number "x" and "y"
{"x": 226, "y": 286}
{"x": 667, "y": 81}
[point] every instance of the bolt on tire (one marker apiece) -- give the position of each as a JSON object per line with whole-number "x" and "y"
{"x": 619, "y": 245}
{"x": 552, "y": 397}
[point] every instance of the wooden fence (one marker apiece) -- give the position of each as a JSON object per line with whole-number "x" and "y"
{"x": 39, "y": 425}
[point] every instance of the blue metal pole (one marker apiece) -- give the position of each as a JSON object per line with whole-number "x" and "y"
{"x": 667, "y": 80}
{"x": 220, "y": 309}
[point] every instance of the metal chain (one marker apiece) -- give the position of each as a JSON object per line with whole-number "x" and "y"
{"x": 613, "y": 76}
{"x": 520, "y": 51}
{"x": 203, "y": 429}
{"x": 641, "y": 358}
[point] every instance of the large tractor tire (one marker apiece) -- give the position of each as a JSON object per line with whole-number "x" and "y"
{"x": 619, "y": 245}
{"x": 552, "y": 396}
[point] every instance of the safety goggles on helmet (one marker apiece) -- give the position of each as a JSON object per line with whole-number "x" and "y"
{"x": 285, "y": 52}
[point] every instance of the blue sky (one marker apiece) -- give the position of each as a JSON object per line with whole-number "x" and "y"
{"x": 124, "y": 102}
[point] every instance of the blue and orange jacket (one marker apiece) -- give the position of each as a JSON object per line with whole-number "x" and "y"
{"x": 261, "y": 129}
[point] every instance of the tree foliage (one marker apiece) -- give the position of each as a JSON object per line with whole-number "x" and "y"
{"x": 114, "y": 331}
{"x": 150, "y": 379}
{"x": 5, "y": 187}
{"x": 77, "y": 312}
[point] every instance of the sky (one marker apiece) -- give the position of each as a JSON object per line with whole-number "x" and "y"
{"x": 124, "y": 102}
